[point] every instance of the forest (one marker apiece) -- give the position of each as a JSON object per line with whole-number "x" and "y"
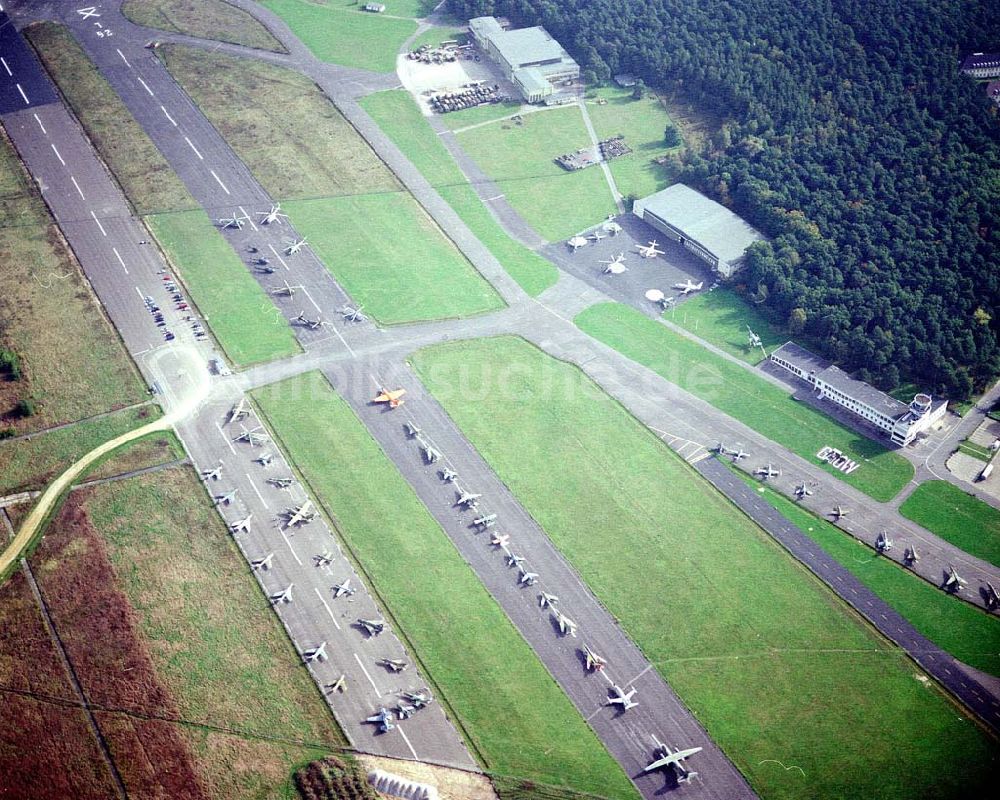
{"x": 852, "y": 141}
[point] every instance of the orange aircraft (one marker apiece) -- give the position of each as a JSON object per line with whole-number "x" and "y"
{"x": 393, "y": 398}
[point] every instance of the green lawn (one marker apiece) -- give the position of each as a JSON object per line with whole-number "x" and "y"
{"x": 977, "y": 451}
{"x": 147, "y": 179}
{"x": 766, "y": 657}
{"x": 398, "y": 116}
{"x": 207, "y": 19}
{"x": 281, "y": 125}
{"x": 20, "y": 202}
{"x": 435, "y": 35}
{"x": 348, "y": 36}
{"x": 969, "y": 634}
{"x": 457, "y": 120}
{"x": 493, "y": 683}
{"x": 243, "y": 318}
{"x": 642, "y": 123}
{"x": 392, "y": 258}
{"x": 721, "y": 317}
{"x": 761, "y": 405}
{"x": 520, "y": 159}
{"x": 965, "y": 521}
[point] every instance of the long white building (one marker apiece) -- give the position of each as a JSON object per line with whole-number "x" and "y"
{"x": 901, "y": 422}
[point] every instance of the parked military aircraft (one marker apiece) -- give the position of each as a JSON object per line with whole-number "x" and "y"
{"x": 595, "y": 663}
{"x": 339, "y": 685}
{"x": 299, "y": 516}
{"x": 514, "y": 560}
{"x": 838, "y": 513}
{"x": 754, "y": 339}
{"x": 265, "y": 459}
{"x": 612, "y": 227}
{"x": 212, "y": 474}
{"x": 392, "y": 664}
{"x": 284, "y": 596}
{"x": 343, "y": 589}
{"x": 235, "y": 221}
{"x": 324, "y": 559}
{"x": 311, "y": 324}
{"x": 263, "y": 563}
{"x": 576, "y": 242}
{"x": 281, "y": 483}
{"x": 596, "y": 236}
{"x": 239, "y": 411}
{"x": 317, "y": 653}
{"x": 953, "y": 582}
{"x": 405, "y": 711}
{"x": 383, "y": 719}
{"x": 485, "y": 521}
{"x": 418, "y": 699}
{"x": 260, "y": 265}
{"x": 649, "y": 250}
{"x": 567, "y": 627}
{"x": 431, "y": 454}
{"x": 615, "y": 266}
{"x": 287, "y": 290}
{"x": 352, "y": 314}
{"x": 292, "y": 246}
{"x": 391, "y": 397}
{"x": 225, "y": 499}
{"x": 991, "y": 596}
{"x": 664, "y": 757}
{"x": 767, "y": 472}
{"x": 883, "y": 544}
{"x": 252, "y": 436}
{"x": 448, "y": 474}
{"x": 689, "y": 286}
{"x": 274, "y": 215}
{"x": 802, "y": 490}
{"x": 241, "y": 524}
{"x": 528, "y": 578}
{"x": 910, "y": 556}
{"x": 411, "y": 428}
{"x": 618, "y": 696}
{"x": 500, "y": 540}
{"x": 467, "y": 499}
{"x": 372, "y": 626}
{"x": 546, "y": 600}
{"x": 738, "y": 454}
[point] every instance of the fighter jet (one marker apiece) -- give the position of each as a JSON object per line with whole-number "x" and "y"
{"x": 299, "y": 516}
{"x": 612, "y": 227}
{"x": 383, "y": 719}
{"x": 292, "y": 246}
{"x": 500, "y": 540}
{"x": 212, "y": 474}
{"x": 265, "y": 459}
{"x": 953, "y": 582}
{"x": 802, "y": 491}
{"x": 485, "y": 521}
{"x": 324, "y": 559}
{"x": 546, "y": 600}
{"x": 767, "y": 472}
{"x": 567, "y": 627}
{"x": 311, "y": 324}
{"x": 339, "y": 685}
{"x": 235, "y": 221}
{"x": 286, "y": 290}
{"x": 411, "y": 428}
{"x": 225, "y": 499}
{"x": 753, "y": 339}
{"x": 576, "y": 242}
{"x": 431, "y": 454}
{"x": 722, "y": 450}
{"x": 596, "y": 236}
{"x": 883, "y": 544}
{"x": 418, "y": 699}
{"x": 342, "y": 589}
{"x": 991, "y": 596}
{"x": 738, "y": 454}
{"x": 467, "y": 499}
{"x": 317, "y": 653}
{"x": 615, "y": 265}
{"x": 241, "y": 524}
{"x": 263, "y": 563}
{"x": 252, "y": 436}
{"x": 448, "y": 475}
{"x": 910, "y": 556}
{"x": 351, "y": 314}
{"x": 618, "y": 696}
{"x": 239, "y": 411}
{"x": 663, "y": 757}
{"x": 528, "y": 578}
{"x": 274, "y": 215}
{"x": 391, "y": 397}
{"x": 689, "y": 286}
{"x": 392, "y": 664}
{"x": 514, "y": 560}
{"x": 405, "y": 711}
{"x": 284, "y": 596}
{"x": 839, "y": 513}
{"x": 281, "y": 483}
{"x": 649, "y": 250}
{"x": 372, "y": 626}
{"x": 595, "y": 663}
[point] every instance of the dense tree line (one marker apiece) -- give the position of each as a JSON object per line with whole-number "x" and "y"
{"x": 852, "y": 141}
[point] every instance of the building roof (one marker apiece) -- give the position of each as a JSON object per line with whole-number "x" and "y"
{"x": 723, "y": 233}
{"x": 532, "y": 80}
{"x": 485, "y": 26}
{"x": 528, "y": 46}
{"x": 981, "y": 61}
{"x": 805, "y": 360}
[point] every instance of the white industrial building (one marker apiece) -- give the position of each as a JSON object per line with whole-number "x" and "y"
{"x": 900, "y": 421}
{"x": 529, "y": 58}
{"x": 709, "y": 230}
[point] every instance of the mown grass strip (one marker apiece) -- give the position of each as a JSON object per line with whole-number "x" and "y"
{"x": 960, "y": 518}
{"x": 206, "y": 19}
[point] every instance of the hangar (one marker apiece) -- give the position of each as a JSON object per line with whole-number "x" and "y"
{"x": 709, "y": 230}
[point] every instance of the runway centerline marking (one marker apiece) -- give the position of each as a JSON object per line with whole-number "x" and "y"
{"x": 277, "y": 255}
{"x": 225, "y": 438}
{"x": 167, "y": 115}
{"x": 78, "y": 189}
{"x": 315, "y": 304}
{"x": 57, "y": 154}
{"x": 4, "y": 62}
{"x": 243, "y": 211}
{"x": 191, "y": 145}
{"x": 219, "y": 181}
{"x": 145, "y": 86}
{"x": 104, "y": 232}
{"x": 123, "y": 58}
{"x": 40, "y": 124}
{"x": 327, "y": 607}
{"x": 374, "y": 686}
{"x": 292, "y": 551}
{"x": 27, "y": 102}
{"x": 406, "y": 739}
{"x": 120, "y": 260}
{"x": 254, "y": 486}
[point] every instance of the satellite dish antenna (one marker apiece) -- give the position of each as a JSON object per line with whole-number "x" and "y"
{"x": 654, "y": 295}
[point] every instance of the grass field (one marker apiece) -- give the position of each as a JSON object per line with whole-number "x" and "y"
{"x": 642, "y": 123}
{"x": 20, "y": 203}
{"x": 349, "y": 36}
{"x": 969, "y": 634}
{"x": 156, "y": 448}
{"x": 977, "y": 451}
{"x": 768, "y": 660}
{"x": 457, "y": 120}
{"x": 144, "y": 175}
{"x": 398, "y": 263}
{"x": 482, "y": 667}
{"x": 281, "y": 125}
{"x": 519, "y": 158}
{"x": 398, "y": 116}
{"x": 243, "y": 318}
{"x": 207, "y": 19}
{"x": 721, "y": 317}
{"x": 437, "y": 34}
{"x": 761, "y": 405}
{"x": 965, "y": 521}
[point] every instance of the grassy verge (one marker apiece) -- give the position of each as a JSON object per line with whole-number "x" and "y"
{"x": 721, "y": 317}
{"x": 398, "y": 116}
{"x": 244, "y": 320}
{"x": 965, "y": 521}
{"x": 519, "y": 158}
{"x": 346, "y": 36}
{"x": 457, "y": 120}
{"x": 20, "y": 202}
{"x": 392, "y": 258}
{"x": 437, "y": 34}
{"x": 482, "y": 667}
{"x": 977, "y": 451}
{"x": 149, "y": 451}
{"x": 147, "y": 180}
{"x": 766, "y": 408}
{"x": 206, "y": 19}
{"x": 281, "y": 125}
{"x": 772, "y": 663}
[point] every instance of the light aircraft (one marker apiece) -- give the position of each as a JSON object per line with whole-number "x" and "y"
{"x": 281, "y": 483}
{"x": 612, "y": 227}
{"x": 722, "y": 450}
{"x": 235, "y": 221}
{"x": 324, "y": 559}
{"x": 263, "y": 563}
{"x": 373, "y": 626}
{"x": 767, "y": 472}
{"x": 595, "y": 663}
{"x": 383, "y": 719}
{"x": 317, "y": 653}
{"x": 252, "y": 436}
{"x": 265, "y": 459}
{"x": 528, "y": 578}
{"x": 689, "y": 286}
{"x": 883, "y": 544}
{"x": 419, "y": 699}
{"x": 910, "y": 556}
{"x": 546, "y": 600}
{"x": 274, "y": 215}
{"x": 615, "y": 266}
{"x": 212, "y": 474}
{"x": 576, "y": 242}
{"x": 293, "y": 246}
{"x": 953, "y": 582}
{"x": 500, "y": 540}
{"x": 343, "y": 589}
{"x": 467, "y": 499}
{"x": 287, "y": 290}
{"x": 339, "y": 685}
{"x": 649, "y": 250}
{"x": 299, "y": 516}
{"x": 485, "y": 521}
{"x": 566, "y": 625}
{"x": 284, "y": 596}
{"x": 802, "y": 490}
{"x": 448, "y": 475}
{"x": 411, "y": 428}
{"x": 618, "y": 696}
{"x": 352, "y": 314}
{"x": 514, "y": 560}
{"x": 991, "y": 595}
{"x": 838, "y": 513}
{"x": 239, "y": 411}
{"x": 391, "y": 397}
{"x": 311, "y": 324}
{"x": 392, "y": 664}
{"x": 241, "y": 524}
{"x": 225, "y": 499}
{"x": 738, "y": 454}
{"x": 754, "y": 339}
{"x": 596, "y": 236}
{"x": 663, "y": 756}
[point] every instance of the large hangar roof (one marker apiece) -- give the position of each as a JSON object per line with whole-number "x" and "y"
{"x": 528, "y": 46}
{"x": 708, "y": 223}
